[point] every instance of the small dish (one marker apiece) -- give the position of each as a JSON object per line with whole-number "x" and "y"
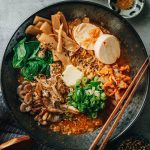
{"x": 134, "y": 142}
{"x": 133, "y": 11}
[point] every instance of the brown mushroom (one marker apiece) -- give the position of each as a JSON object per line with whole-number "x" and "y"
{"x": 69, "y": 109}
{"x": 54, "y": 110}
{"x": 28, "y": 98}
{"x": 25, "y": 108}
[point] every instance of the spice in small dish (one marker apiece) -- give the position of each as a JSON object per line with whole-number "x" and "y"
{"x": 124, "y": 4}
{"x": 127, "y": 8}
{"x": 134, "y": 144}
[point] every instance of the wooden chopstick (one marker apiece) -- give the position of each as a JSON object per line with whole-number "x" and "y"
{"x": 14, "y": 141}
{"x": 113, "y": 127}
{"x": 96, "y": 140}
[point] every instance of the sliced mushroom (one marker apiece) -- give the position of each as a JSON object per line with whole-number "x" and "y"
{"x": 25, "y": 108}
{"x": 22, "y": 94}
{"x": 20, "y": 87}
{"x": 25, "y": 82}
{"x": 28, "y": 108}
{"x": 69, "y": 109}
{"x": 43, "y": 122}
{"x": 28, "y": 98}
{"x": 49, "y": 117}
{"x": 37, "y": 103}
{"x": 37, "y": 109}
{"x": 27, "y": 87}
{"x": 54, "y": 110}
{"x": 38, "y": 89}
{"x": 45, "y": 116}
{"x": 45, "y": 101}
{"x": 42, "y": 112}
{"x": 57, "y": 93}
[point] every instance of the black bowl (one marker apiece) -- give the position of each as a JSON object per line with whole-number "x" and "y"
{"x": 134, "y": 51}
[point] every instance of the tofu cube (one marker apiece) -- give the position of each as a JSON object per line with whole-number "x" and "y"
{"x": 71, "y": 75}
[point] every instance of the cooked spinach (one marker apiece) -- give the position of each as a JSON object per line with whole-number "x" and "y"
{"x": 37, "y": 66}
{"x": 88, "y": 97}
{"x": 20, "y": 53}
{"x": 26, "y": 59}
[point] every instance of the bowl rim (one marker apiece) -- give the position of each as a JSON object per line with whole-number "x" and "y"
{"x": 89, "y": 2}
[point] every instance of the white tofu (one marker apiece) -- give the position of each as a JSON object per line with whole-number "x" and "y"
{"x": 71, "y": 75}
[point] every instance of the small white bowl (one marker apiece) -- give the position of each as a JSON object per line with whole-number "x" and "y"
{"x": 129, "y": 13}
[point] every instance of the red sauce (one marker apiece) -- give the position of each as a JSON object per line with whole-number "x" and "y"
{"x": 79, "y": 124}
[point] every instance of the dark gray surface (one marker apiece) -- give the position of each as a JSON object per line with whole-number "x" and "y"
{"x": 141, "y": 23}
{"x": 141, "y": 127}
{"x": 117, "y": 26}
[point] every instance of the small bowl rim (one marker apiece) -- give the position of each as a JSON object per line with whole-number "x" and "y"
{"x": 128, "y": 17}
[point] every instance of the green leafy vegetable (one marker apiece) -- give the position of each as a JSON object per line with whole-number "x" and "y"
{"x": 26, "y": 59}
{"x": 20, "y": 53}
{"x": 32, "y": 47}
{"x": 37, "y": 66}
{"x": 88, "y": 97}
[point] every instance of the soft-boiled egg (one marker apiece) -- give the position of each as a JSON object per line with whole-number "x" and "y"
{"x": 107, "y": 49}
{"x": 86, "y": 34}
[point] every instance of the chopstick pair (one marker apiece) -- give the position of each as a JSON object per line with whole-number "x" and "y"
{"x": 135, "y": 82}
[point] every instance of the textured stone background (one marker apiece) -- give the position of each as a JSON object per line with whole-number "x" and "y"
{"x": 14, "y": 12}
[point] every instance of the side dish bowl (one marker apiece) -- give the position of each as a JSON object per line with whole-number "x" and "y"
{"x": 134, "y": 52}
{"x": 132, "y": 12}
